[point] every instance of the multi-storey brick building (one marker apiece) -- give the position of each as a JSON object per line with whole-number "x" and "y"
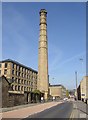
{"x": 22, "y": 79}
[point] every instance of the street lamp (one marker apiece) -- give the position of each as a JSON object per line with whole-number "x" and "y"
{"x": 81, "y": 59}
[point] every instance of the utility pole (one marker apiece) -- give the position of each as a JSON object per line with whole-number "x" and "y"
{"x": 76, "y": 84}
{"x": 81, "y": 59}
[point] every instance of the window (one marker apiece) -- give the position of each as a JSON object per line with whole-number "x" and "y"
{"x": 36, "y": 76}
{"x": 29, "y": 82}
{"x": 16, "y": 87}
{"x": 25, "y": 82}
{"x": 24, "y": 69}
{"x": 19, "y": 74}
{"x": 27, "y": 76}
{"x": 0, "y": 65}
{"x": 5, "y": 65}
{"x": 13, "y": 72}
{"x": 28, "y": 71}
{"x": 5, "y": 72}
{"x": 19, "y": 88}
{"x": 12, "y": 65}
{"x": 13, "y": 87}
{"x": 18, "y": 81}
{"x": 12, "y": 79}
{"x": 22, "y": 74}
{"x": 20, "y": 68}
{"x": 22, "y": 88}
{"x": 16, "y": 73}
{"x": 30, "y": 89}
{"x": 22, "y": 82}
{"x": 27, "y": 89}
{"x": 17, "y": 67}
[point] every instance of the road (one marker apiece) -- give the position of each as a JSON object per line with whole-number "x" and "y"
{"x": 62, "y": 110}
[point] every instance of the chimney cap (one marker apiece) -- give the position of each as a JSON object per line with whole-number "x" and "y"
{"x": 43, "y": 11}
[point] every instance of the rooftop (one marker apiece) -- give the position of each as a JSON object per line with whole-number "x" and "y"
{"x": 13, "y": 61}
{"x": 57, "y": 85}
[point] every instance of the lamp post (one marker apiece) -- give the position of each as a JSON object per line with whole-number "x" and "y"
{"x": 81, "y": 59}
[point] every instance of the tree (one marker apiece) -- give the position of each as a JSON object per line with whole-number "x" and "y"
{"x": 67, "y": 93}
{"x": 37, "y": 93}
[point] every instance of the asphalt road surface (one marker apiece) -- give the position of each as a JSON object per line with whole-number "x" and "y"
{"x": 62, "y": 110}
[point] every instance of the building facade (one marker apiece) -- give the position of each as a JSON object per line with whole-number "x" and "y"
{"x": 78, "y": 93}
{"x": 84, "y": 89}
{"x": 22, "y": 79}
{"x": 43, "y": 83}
{"x": 57, "y": 91}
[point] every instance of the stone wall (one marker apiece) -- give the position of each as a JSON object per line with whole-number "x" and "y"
{"x": 5, "y": 88}
{"x": 11, "y": 99}
{"x": 15, "y": 99}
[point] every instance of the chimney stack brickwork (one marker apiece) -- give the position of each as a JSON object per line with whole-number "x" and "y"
{"x": 43, "y": 55}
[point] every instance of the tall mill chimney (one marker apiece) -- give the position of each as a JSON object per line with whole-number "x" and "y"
{"x": 42, "y": 83}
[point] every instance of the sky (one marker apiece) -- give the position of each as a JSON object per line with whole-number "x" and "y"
{"x": 66, "y": 30}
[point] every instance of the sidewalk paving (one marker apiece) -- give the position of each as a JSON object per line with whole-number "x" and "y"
{"x": 25, "y": 112}
{"x": 80, "y": 110}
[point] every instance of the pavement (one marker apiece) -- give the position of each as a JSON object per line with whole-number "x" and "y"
{"x": 28, "y": 110}
{"x": 80, "y": 110}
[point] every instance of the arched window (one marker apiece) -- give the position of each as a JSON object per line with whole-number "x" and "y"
{"x": 22, "y": 88}
{"x": 19, "y": 88}
{"x": 12, "y": 87}
{"x": 16, "y": 88}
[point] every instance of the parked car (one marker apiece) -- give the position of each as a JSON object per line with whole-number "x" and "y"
{"x": 65, "y": 99}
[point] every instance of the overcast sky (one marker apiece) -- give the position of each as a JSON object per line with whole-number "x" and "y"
{"x": 66, "y": 29}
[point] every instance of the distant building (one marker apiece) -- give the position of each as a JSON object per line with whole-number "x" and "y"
{"x": 57, "y": 91}
{"x": 84, "y": 89}
{"x": 20, "y": 81}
